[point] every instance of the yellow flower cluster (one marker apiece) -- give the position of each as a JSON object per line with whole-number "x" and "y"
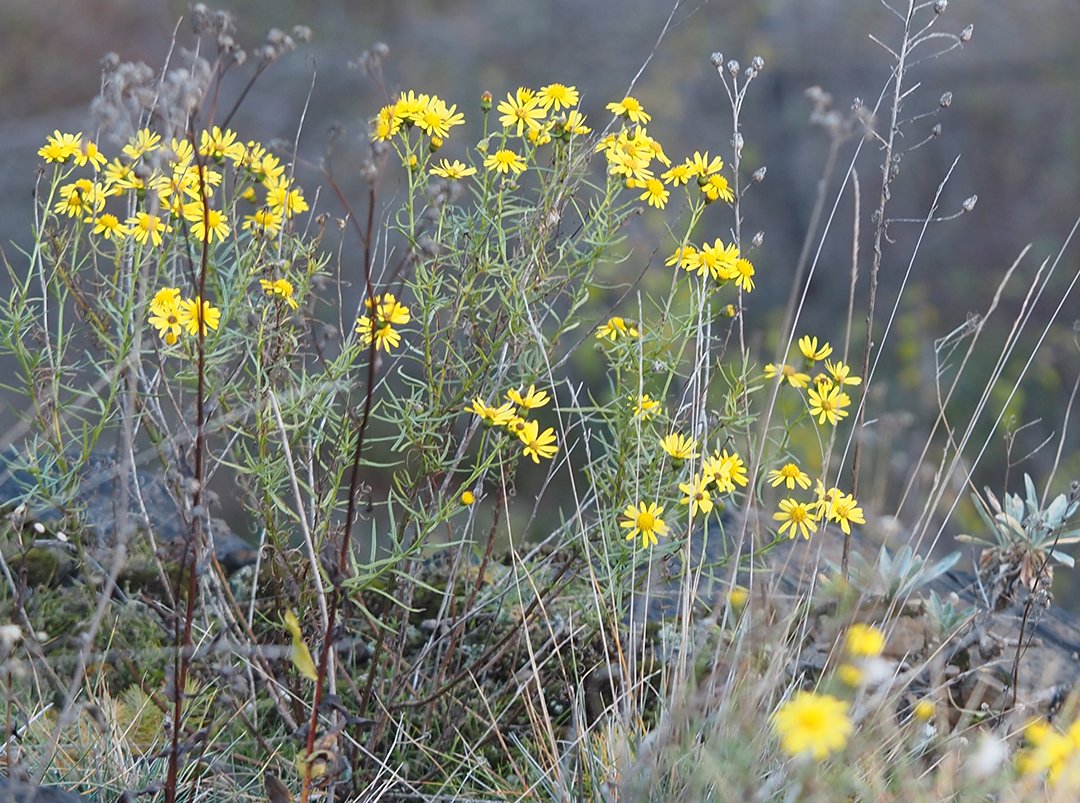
{"x": 826, "y": 399}
{"x": 172, "y": 315}
{"x": 384, "y": 313}
{"x": 183, "y": 180}
{"x": 511, "y": 415}
{"x": 429, "y": 113}
{"x": 832, "y": 505}
{"x": 723, "y": 263}
{"x": 1048, "y": 750}
{"x": 615, "y": 328}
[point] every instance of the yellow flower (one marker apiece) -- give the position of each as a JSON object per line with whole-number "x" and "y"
{"x": 794, "y": 378}
{"x": 717, "y": 188}
{"x": 631, "y": 109}
{"x": 532, "y": 398}
{"x": 165, "y": 314}
{"x": 701, "y": 166}
{"x": 686, "y": 257}
{"x": 1047, "y": 750}
{"x": 809, "y": 347}
{"x": 437, "y": 119}
{"x": 557, "y": 96}
{"x": 280, "y": 287}
{"x": 678, "y": 446}
{"x": 282, "y": 198}
{"x": 206, "y": 222}
{"x": 644, "y": 519}
{"x": 575, "y": 123}
{"x": 789, "y": 474}
{"x": 645, "y": 407}
{"x": 678, "y": 175}
{"x": 828, "y": 405}
{"x": 844, "y": 510}
{"x": 655, "y": 193}
{"x": 452, "y": 170}
{"x": 196, "y": 315}
{"x": 841, "y": 373}
{"x": 697, "y": 495}
{"x": 61, "y": 147}
{"x": 613, "y": 328}
{"x": 109, "y": 226}
{"x": 386, "y": 123}
{"x": 89, "y": 153}
{"x": 812, "y": 723}
{"x": 864, "y": 641}
{"x": 388, "y": 313}
{"x": 924, "y": 710}
{"x": 467, "y": 498}
{"x": 744, "y": 273}
{"x": 719, "y": 260}
{"x": 797, "y": 516}
{"x": 504, "y": 161}
{"x": 738, "y": 597}
{"x": 538, "y": 444}
{"x": 221, "y": 145}
{"x": 144, "y": 226}
{"x": 725, "y": 471}
{"x": 493, "y": 416}
{"x": 521, "y": 110}
{"x": 850, "y": 675}
{"x": 144, "y": 141}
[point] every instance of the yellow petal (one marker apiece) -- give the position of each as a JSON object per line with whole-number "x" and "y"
{"x": 299, "y": 653}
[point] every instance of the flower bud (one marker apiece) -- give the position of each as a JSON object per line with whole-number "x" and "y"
{"x": 485, "y": 102}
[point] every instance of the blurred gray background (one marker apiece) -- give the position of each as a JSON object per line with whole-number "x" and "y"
{"x": 1014, "y": 120}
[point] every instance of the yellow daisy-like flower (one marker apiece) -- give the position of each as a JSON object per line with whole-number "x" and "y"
{"x": 388, "y": 313}
{"x": 505, "y": 161}
{"x": 631, "y": 109}
{"x": 386, "y": 123}
{"x": 923, "y": 710}
{"x": 797, "y": 516}
{"x": 206, "y": 222}
{"x": 655, "y": 193}
{"x": 697, "y": 495}
{"x": 220, "y": 145}
{"x": 144, "y": 226}
{"x": 575, "y": 123}
{"x": 686, "y": 257}
{"x": 531, "y": 399}
{"x": 614, "y": 328}
{"x": 144, "y": 141}
{"x": 197, "y": 315}
{"x": 845, "y": 510}
{"x": 264, "y": 221}
{"x": 716, "y": 188}
{"x": 789, "y": 475}
{"x": 467, "y": 498}
{"x": 109, "y": 227}
{"x": 281, "y": 197}
{"x": 521, "y": 110}
{"x": 701, "y": 166}
{"x": 841, "y": 373}
{"x": 1047, "y": 750}
{"x": 538, "y": 444}
{"x": 557, "y": 96}
{"x": 719, "y": 260}
{"x": 864, "y": 641}
{"x": 89, "y": 152}
{"x": 499, "y": 416}
{"x": 679, "y": 447}
{"x": 725, "y": 471}
{"x": 165, "y": 314}
{"x": 796, "y": 379}
{"x": 452, "y": 170}
{"x": 61, "y": 147}
{"x": 437, "y": 118}
{"x": 678, "y": 175}
{"x": 280, "y": 287}
{"x": 828, "y": 405}
{"x": 809, "y": 347}
{"x": 645, "y": 407}
{"x": 644, "y": 519}
{"x": 744, "y": 274}
{"x": 812, "y": 723}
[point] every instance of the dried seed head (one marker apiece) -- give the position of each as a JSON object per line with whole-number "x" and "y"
{"x": 381, "y": 49}
{"x": 946, "y": 100}
{"x": 758, "y": 63}
{"x": 940, "y": 6}
{"x": 733, "y": 67}
{"x": 965, "y": 35}
{"x": 936, "y": 130}
{"x": 737, "y": 142}
{"x": 301, "y": 33}
{"x": 969, "y": 203}
{"x": 759, "y": 238}
{"x": 759, "y": 174}
{"x": 716, "y": 59}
